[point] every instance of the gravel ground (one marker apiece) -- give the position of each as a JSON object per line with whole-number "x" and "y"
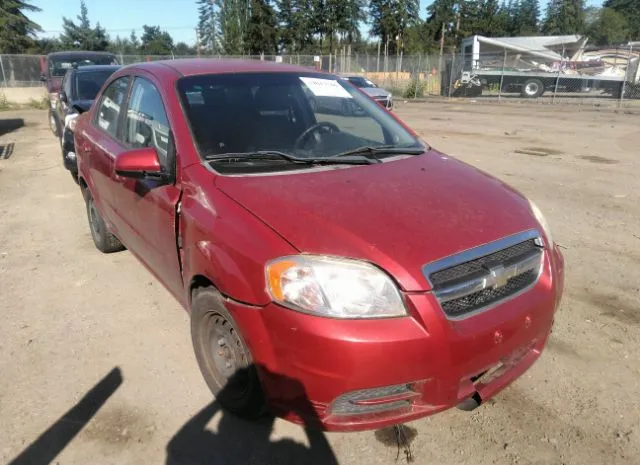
{"x": 73, "y": 317}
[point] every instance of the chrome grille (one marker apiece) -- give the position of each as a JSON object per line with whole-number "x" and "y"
{"x": 479, "y": 278}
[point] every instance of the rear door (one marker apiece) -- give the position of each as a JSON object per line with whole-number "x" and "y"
{"x": 146, "y": 208}
{"x": 102, "y": 145}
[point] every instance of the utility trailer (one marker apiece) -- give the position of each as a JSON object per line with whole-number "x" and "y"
{"x": 531, "y": 66}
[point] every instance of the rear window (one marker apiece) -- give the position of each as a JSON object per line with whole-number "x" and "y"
{"x": 89, "y": 83}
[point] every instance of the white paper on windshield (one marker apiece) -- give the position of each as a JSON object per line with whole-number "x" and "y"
{"x": 325, "y": 87}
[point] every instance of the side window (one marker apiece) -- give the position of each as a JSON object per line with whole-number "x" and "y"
{"x": 107, "y": 117}
{"x": 66, "y": 85}
{"x": 146, "y": 124}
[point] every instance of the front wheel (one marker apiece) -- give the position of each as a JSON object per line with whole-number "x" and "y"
{"x": 223, "y": 357}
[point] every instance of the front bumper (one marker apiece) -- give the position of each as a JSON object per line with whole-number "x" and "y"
{"x": 69, "y": 151}
{"x": 311, "y": 367}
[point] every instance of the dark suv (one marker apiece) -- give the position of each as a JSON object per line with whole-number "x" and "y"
{"x": 54, "y": 66}
{"x": 78, "y": 89}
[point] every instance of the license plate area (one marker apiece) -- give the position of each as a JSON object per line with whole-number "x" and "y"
{"x": 504, "y": 365}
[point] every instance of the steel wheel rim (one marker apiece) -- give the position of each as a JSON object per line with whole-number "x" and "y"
{"x": 227, "y": 359}
{"x": 531, "y": 88}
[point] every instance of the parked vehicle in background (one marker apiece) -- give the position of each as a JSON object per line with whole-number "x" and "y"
{"x": 380, "y": 95}
{"x": 534, "y": 65}
{"x": 78, "y": 89}
{"x": 54, "y": 66}
{"x": 311, "y": 288}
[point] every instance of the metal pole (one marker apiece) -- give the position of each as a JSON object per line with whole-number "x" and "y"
{"x": 453, "y": 62}
{"x": 4, "y": 77}
{"x": 504, "y": 65}
{"x": 555, "y": 90}
{"x": 626, "y": 76}
{"x": 378, "y": 61}
{"x": 415, "y": 94}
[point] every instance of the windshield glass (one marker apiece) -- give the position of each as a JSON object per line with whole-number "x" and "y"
{"x": 89, "y": 83}
{"x": 302, "y": 115}
{"x": 58, "y": 66}
{"x": 361, "y": 82}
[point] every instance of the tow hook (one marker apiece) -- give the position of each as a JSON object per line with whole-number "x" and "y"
{"x": 470, "y": 403}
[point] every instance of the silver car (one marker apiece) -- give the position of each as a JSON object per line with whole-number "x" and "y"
{"x": 383, "y": 97}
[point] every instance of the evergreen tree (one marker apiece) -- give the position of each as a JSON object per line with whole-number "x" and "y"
{"x": 207, "y": 26}
{"x": 564, "y": 17}
{"x": 286, "y": 22}
{"x": 17, "y": 31}
{"x": 528, "y": 15}
{"x": 154, "y": 41}
{"x": 391, "y": 18}
{"x": 232, "y": 20}
{"x": 608, "y": 27}
{"x": 261, "y": 31}
{"x": 630, "y": 10}
{"x": 83, "y": 36}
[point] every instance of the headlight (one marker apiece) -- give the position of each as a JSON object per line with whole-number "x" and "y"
{"x": 332, "y": 287}
{"x": 543, "y": 222}
{"x": 70, "y": 121}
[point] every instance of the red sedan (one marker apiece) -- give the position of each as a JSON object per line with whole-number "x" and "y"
{"x": 337, "y": 269}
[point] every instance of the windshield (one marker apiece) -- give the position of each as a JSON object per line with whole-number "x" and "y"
{"x": 58, "y": 66}
{"x": 89, "y": 83}
{"x": 301, "y": 115}
{"x": 361, "y": 82}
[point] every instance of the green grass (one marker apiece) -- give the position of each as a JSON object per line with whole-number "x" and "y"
{"x": 41, "y": 104}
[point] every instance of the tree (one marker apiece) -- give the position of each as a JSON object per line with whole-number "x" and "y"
{"x": 608, "y": 27}
{"x": 528, "y": 16}
{"x": 285, "y": 25}
{"x": 82, "y": 36}
{"x": 17, "y": 31}
{"x": 630, "y": 10}
{"x": 232, "y": 19}
{"x": 207, "y": 30}
{"x": 183, "y": 49}
{"x": 564, "y": 17}
{"x": 391, "y": 18}
{"x": 261, "y": 34}
{"x": 154, "y": 41}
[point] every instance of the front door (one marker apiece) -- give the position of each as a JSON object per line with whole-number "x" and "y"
{"x": 146, "y": 209}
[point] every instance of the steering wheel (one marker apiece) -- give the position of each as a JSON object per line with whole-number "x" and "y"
{"x": 316, "y": 130}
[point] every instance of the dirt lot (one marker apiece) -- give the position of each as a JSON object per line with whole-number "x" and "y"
{"x": 72, "y": 316}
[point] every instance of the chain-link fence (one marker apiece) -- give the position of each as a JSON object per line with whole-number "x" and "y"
{"x": 588, "y": 77}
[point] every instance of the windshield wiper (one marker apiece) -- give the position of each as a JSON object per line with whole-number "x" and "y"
{"x": 267, "y": 155}
{"x": 373, "y": 152}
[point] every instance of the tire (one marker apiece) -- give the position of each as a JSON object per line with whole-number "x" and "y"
{"x": 53, "y": 124}
{"x": 532, "y": 88}
{"x": 105, "y": 241}
{"x": 223, "y": 357}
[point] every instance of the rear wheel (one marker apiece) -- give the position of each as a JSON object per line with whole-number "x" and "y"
{"x": 532, "y": 88}
{"x": 105, "y": 241}
{"x": 223, "y": 357}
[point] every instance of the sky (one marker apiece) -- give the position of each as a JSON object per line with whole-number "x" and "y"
{"x": 119, "y": 17}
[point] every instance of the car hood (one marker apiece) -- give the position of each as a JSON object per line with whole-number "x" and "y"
{"x": 401, "y": 214}
{"x": 375, "y": 92}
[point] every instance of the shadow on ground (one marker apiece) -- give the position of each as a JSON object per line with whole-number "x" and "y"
{"x": 238, "y": 441}
{"x": 10, "y": 125}
{"x": 52, "y": 441}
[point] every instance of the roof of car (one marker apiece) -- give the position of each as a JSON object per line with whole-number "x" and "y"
{"x": 93, "y": 68}
{"x": 196, "y": 66}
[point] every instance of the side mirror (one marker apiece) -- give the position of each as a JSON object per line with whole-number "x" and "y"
{"x": 139, "y": 164}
